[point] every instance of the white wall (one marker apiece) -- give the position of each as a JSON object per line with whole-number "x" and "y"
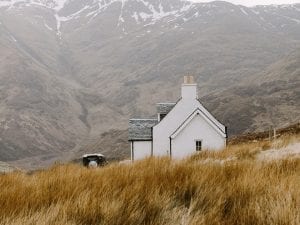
{"x": 184, "y": 144}
{"x": 141, "y": 149}
{"x": 184, "y": 108}
{"x": 163, "y": 130}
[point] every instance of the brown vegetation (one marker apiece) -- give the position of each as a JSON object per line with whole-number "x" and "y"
{"x": 291, "y": 130}
{"x": 159, "y": 191}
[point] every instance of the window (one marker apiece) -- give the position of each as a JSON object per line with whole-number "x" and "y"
{"x": 198, "y": 146}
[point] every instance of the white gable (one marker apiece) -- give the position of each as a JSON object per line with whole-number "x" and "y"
{"x": 178, "y": 116}
{"x": 197, "y": 129}
{"x": 206, "y": 118}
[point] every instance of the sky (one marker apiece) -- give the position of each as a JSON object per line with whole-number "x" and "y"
{"x": 256, "y": 2}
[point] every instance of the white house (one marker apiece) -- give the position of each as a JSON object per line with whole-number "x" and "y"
{"x": 181, "y": 129}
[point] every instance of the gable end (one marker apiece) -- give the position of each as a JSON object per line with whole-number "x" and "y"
{"x": 207, "y": 118}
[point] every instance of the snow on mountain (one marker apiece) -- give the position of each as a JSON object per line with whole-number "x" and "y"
{"x": 57, "y": 5}
{"x": 72, "y": 70}
{"x": 66, "y": 10}
{"x": 146, "y": 12}
{"x": 251, "y": 3}
{"x": 54, "y": 4}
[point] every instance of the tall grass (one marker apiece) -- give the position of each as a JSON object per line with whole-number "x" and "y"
{"x": 156, "y": 191}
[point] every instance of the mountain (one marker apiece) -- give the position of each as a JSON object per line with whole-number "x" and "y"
{"x": 71, "y": 71}
{"x": 271, "y": 98}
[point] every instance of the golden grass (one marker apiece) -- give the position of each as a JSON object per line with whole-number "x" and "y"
{"x": 157, "y": 191}
{"x": 248, "y": 150}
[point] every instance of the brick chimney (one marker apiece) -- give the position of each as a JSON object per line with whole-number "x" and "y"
{"x": 189, "y": 88}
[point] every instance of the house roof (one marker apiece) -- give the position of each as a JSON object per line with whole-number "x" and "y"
{"x": 164, "y": 108}
{"x": 189, "y": 119}
{"x": 140, "y": 129}
{"x": 212, "y": 118}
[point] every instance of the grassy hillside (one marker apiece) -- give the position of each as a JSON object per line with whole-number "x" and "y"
{"x": 234, "y": 186}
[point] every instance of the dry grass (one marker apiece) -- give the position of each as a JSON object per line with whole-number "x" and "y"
{"x": 247, "y": 150}
{"x": 292, "y": 130}
{"x": 158, "y": 191}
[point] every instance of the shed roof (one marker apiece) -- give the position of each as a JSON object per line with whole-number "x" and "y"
{"x": 164, "y": 108}
{"x": 140, "y": 129}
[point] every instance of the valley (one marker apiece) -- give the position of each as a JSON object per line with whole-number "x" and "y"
{"x": 73, "y": 72}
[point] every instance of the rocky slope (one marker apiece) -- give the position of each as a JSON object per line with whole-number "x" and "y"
{"x": 72, "y": 70}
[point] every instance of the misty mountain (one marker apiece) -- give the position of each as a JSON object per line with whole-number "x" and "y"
{"x": 73, "y": 70}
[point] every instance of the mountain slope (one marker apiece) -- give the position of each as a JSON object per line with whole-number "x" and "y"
{"x": 270, "y": 98}
{"x": 72, "y": 70}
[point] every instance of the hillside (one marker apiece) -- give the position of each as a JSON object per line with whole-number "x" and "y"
{"x": 271, "y": 98}
{"x": 248, "y": 183}
{"x": 71, "y": 71}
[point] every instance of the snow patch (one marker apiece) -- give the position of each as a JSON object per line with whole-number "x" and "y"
{"x": 56, "y": 5}
{"x": 244, "y": 11}
{"x": 61, "y": 19}
{"x": 136, "y": 17}
{"x": 156, "y": 15}
{"x": 121, "y": 19}
{"x": 255, "y": 12}
{"x": 291, "y": 19}
{"x": 48, "y": 27}
{"x": 59, "y": 4}
{"x": 58, "y": 25}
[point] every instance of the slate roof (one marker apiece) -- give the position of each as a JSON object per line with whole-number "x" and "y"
{"x": 164, "y": 108}
{"x": 140, "y": 129}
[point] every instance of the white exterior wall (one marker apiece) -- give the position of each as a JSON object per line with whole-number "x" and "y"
{"x": 163, "y": 130}
{"x": 140, "y": 150}
{"x": 184, "y": 144}
{"x": 182, "y": 110}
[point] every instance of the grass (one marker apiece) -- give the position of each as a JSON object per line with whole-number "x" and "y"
{"x": 159, "y": 191}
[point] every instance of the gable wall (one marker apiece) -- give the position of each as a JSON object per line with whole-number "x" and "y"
{"x": 166, "y": 127}
{"x": 184, "y": 144}
{"x": 163, "y": 130}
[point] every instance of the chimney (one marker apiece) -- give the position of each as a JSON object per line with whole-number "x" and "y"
{"x": 189, "y": 88}
{"x": 188, "y": 80}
